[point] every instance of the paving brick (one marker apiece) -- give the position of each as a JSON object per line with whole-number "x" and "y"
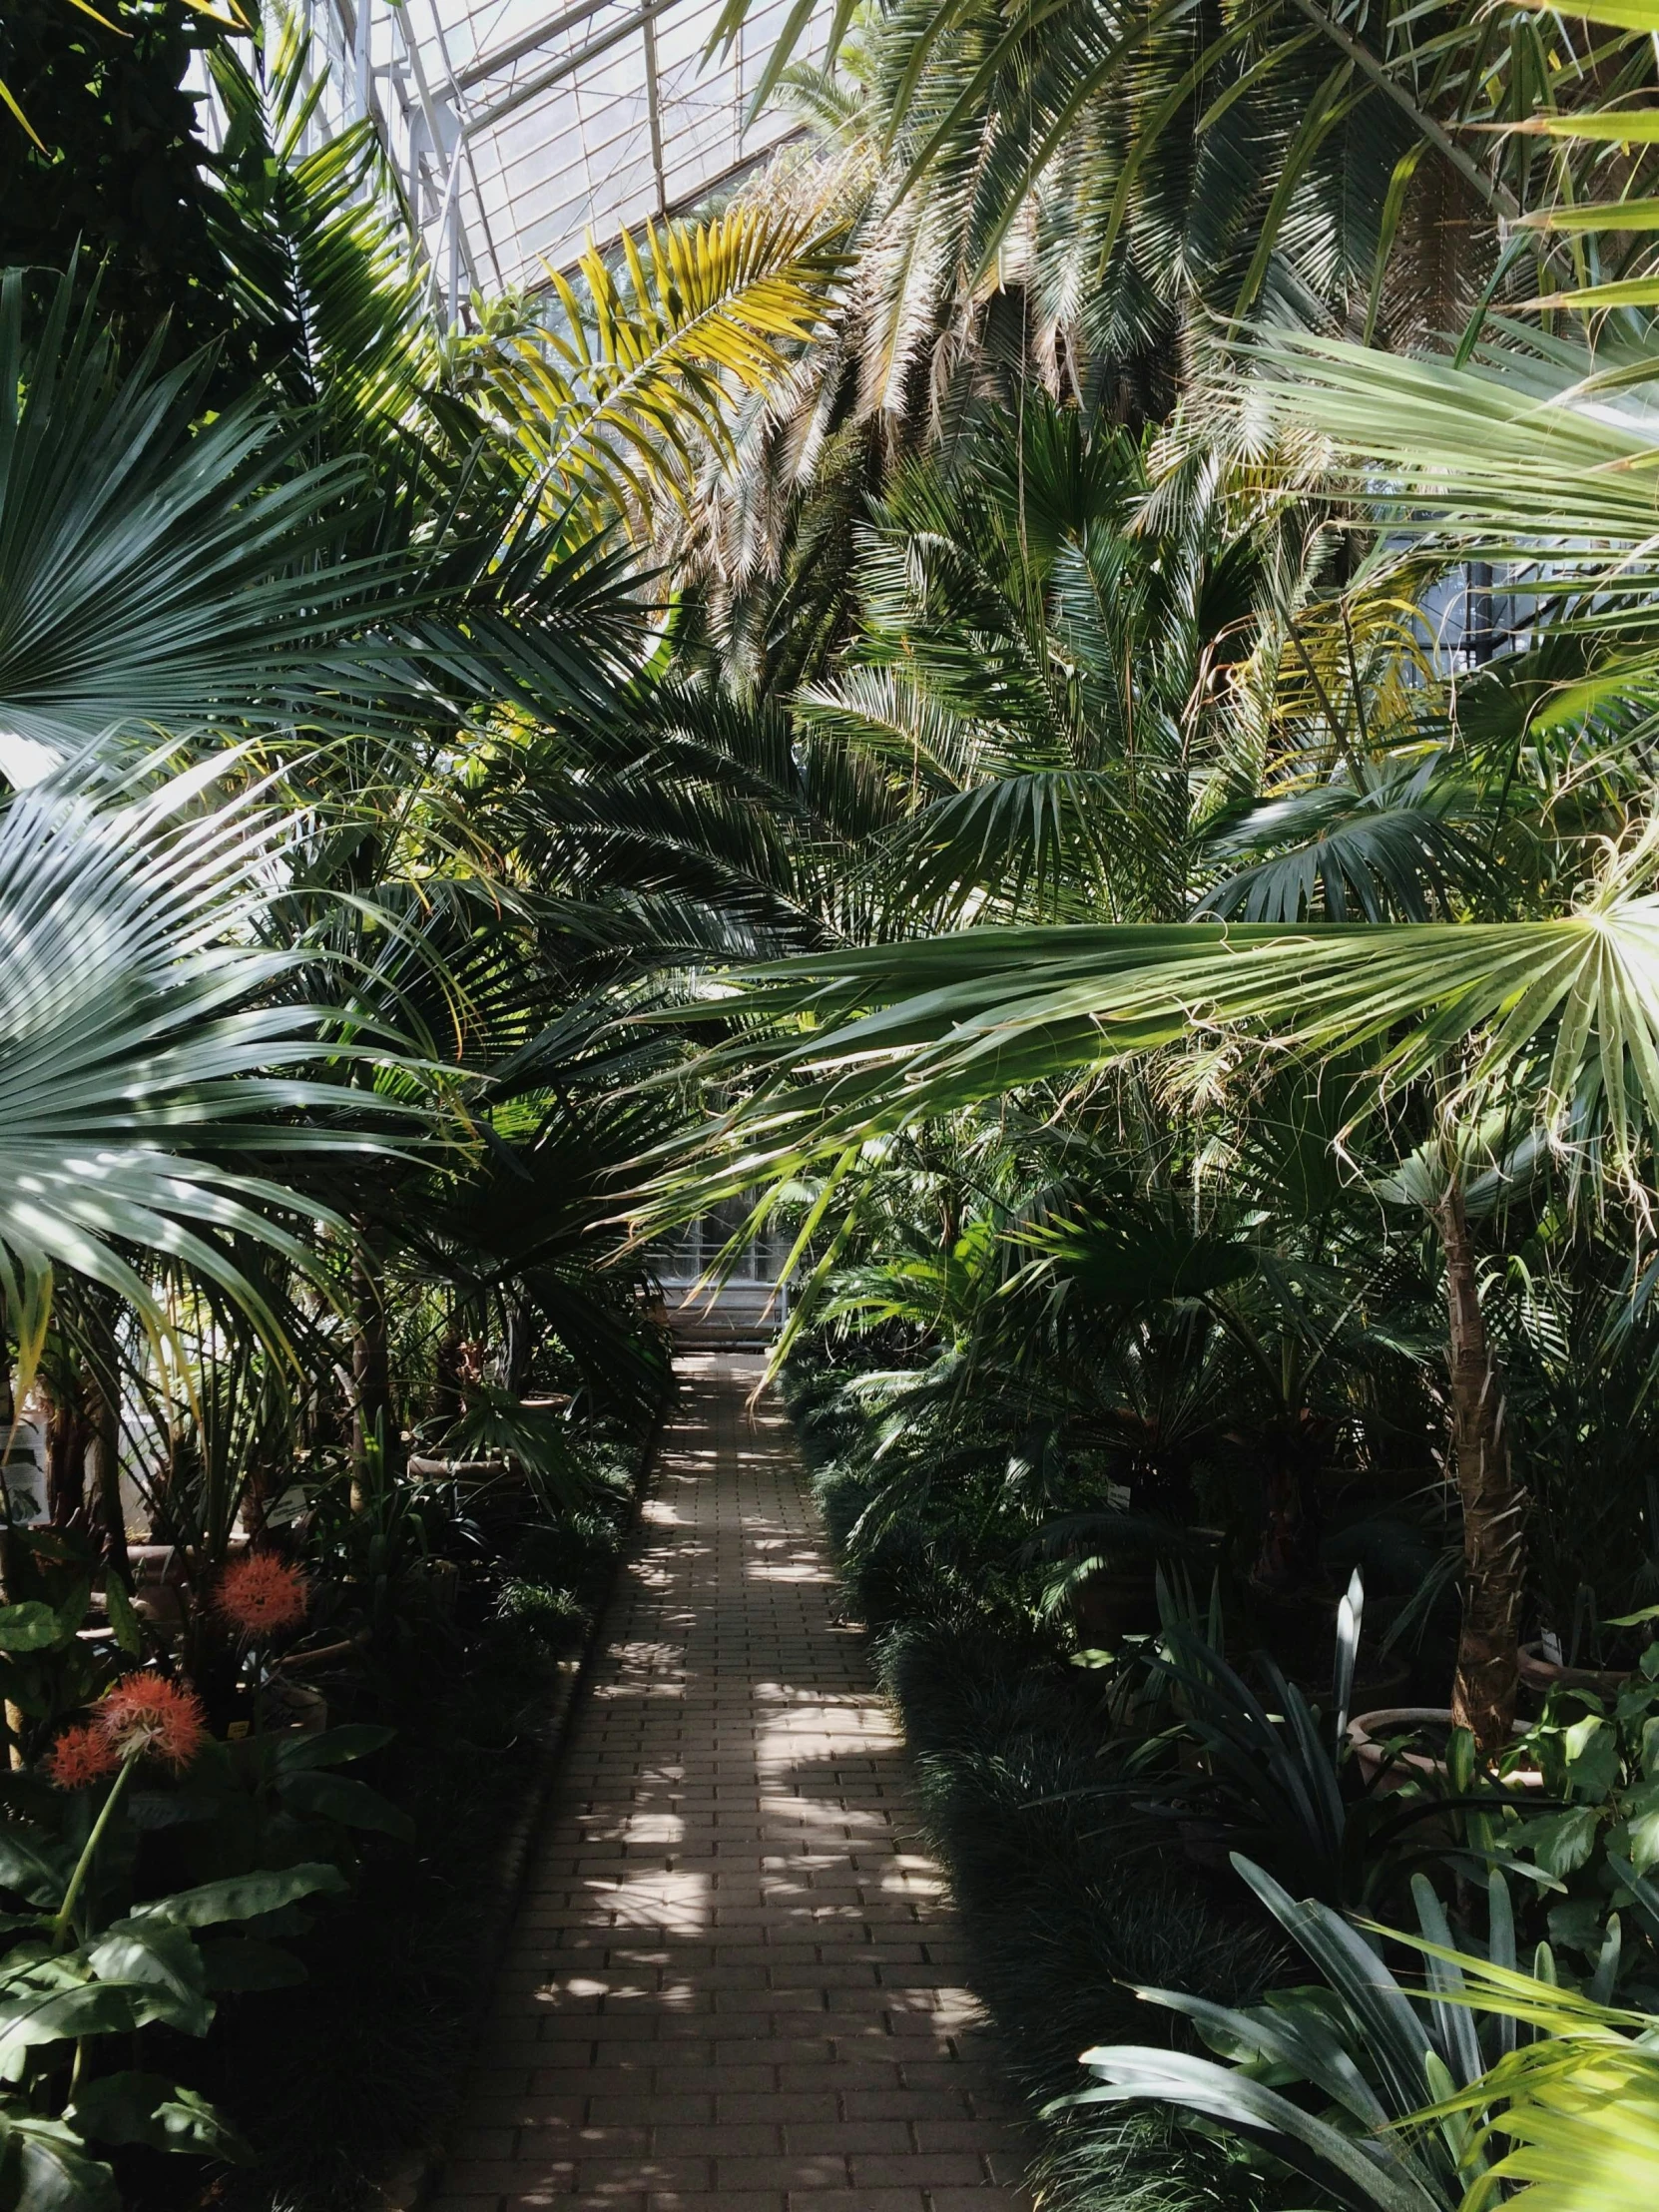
{"x": 719, "y": 2138}
{"x": 863, "y": 2200}
{"x": 748, "y": 2200}
{"x": 734, "y": 1984}
{"x": 823, "y": 2170}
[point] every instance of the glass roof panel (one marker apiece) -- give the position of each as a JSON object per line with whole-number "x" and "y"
{"x": 521, "y": 129}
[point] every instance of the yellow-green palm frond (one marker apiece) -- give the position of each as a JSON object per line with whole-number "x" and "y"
{"x": 1579, "y": 2104}
{"x": 626, "y": 380}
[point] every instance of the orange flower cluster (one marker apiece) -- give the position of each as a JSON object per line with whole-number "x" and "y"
{"x": 261, "y": 1594}
{"x": 147, "y": 1717}
{"x": 81, "y": 1756}
{"x": 143, "y": 1717}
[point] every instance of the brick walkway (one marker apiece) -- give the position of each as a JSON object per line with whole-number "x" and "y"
{"x": 733, "y": 1980}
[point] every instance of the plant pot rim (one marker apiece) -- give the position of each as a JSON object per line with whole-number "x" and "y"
{"x": 1364, "y": 1729}
{"x": 1544, "y": 1673}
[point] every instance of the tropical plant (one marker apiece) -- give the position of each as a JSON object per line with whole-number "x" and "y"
{"x": 1417, "y": 2090}
{"x": 1126, "y": 160}
{"x": 88, "y": 1963}
{"x": 158, "y": 1055}
{"x": 157, "y": 577}
{"x": 615, "y": 389}
{"x": 1592, "y": 1850}
{"x": 231, "y": 17}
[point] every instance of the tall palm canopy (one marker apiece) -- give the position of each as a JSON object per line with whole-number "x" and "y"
{"x": 998, "y": 659}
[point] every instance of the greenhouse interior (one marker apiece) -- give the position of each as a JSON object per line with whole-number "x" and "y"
{"x": 830, "y": 1105}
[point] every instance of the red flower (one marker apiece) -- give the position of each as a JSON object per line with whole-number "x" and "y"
{"x": 261, "y": 1594}
{"x": 81, "y": 1755}
{"x": 146, "y": 1716}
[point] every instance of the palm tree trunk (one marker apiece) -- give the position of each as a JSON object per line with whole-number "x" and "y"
{"x": 104, "y": 1410}
{"x": 68, "y": 1437}
{"x": 1483, "y": 1693}
{"x": 370, "y": 1366}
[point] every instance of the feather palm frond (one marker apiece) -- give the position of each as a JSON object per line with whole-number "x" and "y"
{"x": 619, "y": 389}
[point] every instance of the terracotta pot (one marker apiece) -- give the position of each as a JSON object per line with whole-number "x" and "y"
{"x": 158, "y": 1583}
{"x": 1106, "y": 1607}
{"x": 1543, "y": 1675}
{"x": 1368, "y": 1733}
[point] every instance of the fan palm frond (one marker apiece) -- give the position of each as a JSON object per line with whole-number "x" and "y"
{"x": 156, "y": 1050}
{"x": 1561, "y": 1015}
{"x": 156, "y": 573}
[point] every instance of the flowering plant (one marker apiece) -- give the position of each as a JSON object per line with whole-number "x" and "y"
{"x": 260, "y": 1595}
{"x": 80, "y": 1971}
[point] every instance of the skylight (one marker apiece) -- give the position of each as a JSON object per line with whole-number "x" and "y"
{"x": 521, "y": 129}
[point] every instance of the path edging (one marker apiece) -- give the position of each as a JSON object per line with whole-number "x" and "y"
{"x": 412, "y": 2183}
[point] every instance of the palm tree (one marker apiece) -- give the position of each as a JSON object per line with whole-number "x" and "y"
{"x": 1109, "y": 168}
{"x": 1505, "y": 1030}
{"x": 1529, "y": 1035}
{"x": 165, "y": 1085}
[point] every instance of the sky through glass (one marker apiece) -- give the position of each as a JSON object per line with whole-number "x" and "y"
{"x": 521, "y": 129}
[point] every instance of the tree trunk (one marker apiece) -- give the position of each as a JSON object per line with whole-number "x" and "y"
{"x": 371, "y": 1368}
{"x": 104, "y": 1410}
{"x": 67, "y": 1435}
{"x": 1483, "y": 1693}
{"x": 1292, "y": 1449}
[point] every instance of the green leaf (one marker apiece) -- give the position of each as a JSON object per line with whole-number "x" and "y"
{"x": 162, "y": 1969}
{"x": 146, "y": 2109}
{"x": 1627, "y": 292}
{"x": 1620, "y": 15}
{"x": 44, "y": 2167}
{"x": 151, "y": 1040}
{"x": 354, "y": 1803}
{"x": 1609, "y": 215}
{"x": 241, "y": 1897}
{"x": 1133, "y": 2072}
{"x": 165, "y": 567}
{"x": 1591, "y": 1750}
{"x": 331, "y": 1747}
{"x": 1577, "y": 1924}
{"x": 1570, "y": 1007}
{"x": 1619, "y": 125}
{"x": 36, "y": 1867}
{"x": 31, "y": 1626}
{"x": 1642, "y": 1841}
{"x": 123, "y": 1620}
{"x": 1560, "y": 1842}
{"x": 31, "y": 2017}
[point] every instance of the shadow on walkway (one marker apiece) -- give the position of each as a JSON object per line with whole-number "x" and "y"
{"x": 733, "y": 1978}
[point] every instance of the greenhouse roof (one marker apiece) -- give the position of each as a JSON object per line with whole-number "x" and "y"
{"x": 521, "y": 129}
